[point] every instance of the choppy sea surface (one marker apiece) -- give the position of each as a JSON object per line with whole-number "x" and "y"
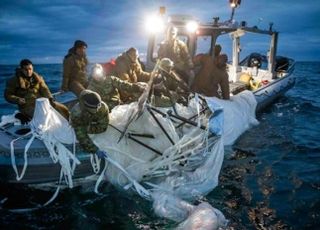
{"x": 270, "y": 177}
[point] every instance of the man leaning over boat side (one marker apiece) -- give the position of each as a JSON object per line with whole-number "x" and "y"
{"x": 177, "y": 51}
{"x": 128, "y": 68}
{"x": 168, "y": 87}
{"x": 108, "y": 87}
{"x": 89, "y": 116}
{"x": 75, "y": 68}
{"x": 25, "y": 87}
{"x": 212, "y": 76}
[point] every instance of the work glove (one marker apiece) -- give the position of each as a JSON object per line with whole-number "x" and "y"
{"x": 140, "y": 88}
{"x": 21, "y": 101}
{"x": 101, "y": 154}
{"x": 23, "y": 118}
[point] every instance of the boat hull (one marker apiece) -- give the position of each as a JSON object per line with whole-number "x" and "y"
{"x": 40, "y": 167}
{"x": 269, "y": 93}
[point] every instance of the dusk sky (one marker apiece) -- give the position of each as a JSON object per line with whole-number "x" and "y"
{"x": 44, "y": 30}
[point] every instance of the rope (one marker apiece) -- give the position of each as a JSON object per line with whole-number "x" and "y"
{"x": 13, "y": 160}
{"x": 95, "y": 163}
{"x": 139, "y": 188}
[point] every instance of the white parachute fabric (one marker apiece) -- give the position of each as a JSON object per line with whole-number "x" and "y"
{"x": 47, "y": 120}
{"x": 171, "y": 207}
{"x": 6, "y": 119}
{"x": 239, "y": 114}
{"x": 189, "y": 168}
{"x": 204, "y": 217}
{"x": 54, "y": 130}
{"x": 200, "y": 181}
{"x": 132, "y": 156}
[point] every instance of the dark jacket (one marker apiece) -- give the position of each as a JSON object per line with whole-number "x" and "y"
{"x": 29, "y": 88}
{"x": 210, "y": 78}
{"x": 178, "y": 52}
{"x": 74, "y": 70}
{"x": 129, "y": 71}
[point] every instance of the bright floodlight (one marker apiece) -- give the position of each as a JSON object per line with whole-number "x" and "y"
{"x": 154, "y": 24}
{"x": 234, "y": 3}
{"x": 97, "y": 71}
{"x": 192, "y": 26}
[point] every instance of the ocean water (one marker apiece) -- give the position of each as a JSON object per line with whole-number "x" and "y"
{"x": 270, "y": 177}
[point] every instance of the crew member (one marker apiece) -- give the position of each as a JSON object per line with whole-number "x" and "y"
{"x": 75, "y": 69}
{"x": 108, "y": 87}
{"x": 177, "y": 51}
{"x": 212, "y": 76}
{"x": 25, "y": 87}
{"x": 128, "y": 68}
{"x": 89, "y": 116}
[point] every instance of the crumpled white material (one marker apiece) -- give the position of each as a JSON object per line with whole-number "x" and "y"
{"x": 48, "y": 121}
{"x": 204, "y": 217}
{"x": 54, "y": 130}
{"x": 187, "y": 169}
{"x": 239, "y": 114}
{"x": 6, "y": 119}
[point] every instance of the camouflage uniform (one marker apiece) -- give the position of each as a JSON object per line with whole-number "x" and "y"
{"x": 174, "y": 89}
{"x": 74, "y": 72}
{"x": 108, "y": 88}
{"x": 30, "y": 88}
{"x": 178, "y": 52}
{"x": 129, "y": 71}
{"x": 85, "y": 121}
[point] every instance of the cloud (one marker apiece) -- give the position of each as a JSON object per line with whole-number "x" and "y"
{"x": 48, "y": 28}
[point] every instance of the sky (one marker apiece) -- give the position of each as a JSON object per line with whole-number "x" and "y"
{"x": 43, "y": 30}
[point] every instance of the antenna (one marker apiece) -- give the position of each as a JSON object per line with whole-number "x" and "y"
{"x": 234, "y": 4}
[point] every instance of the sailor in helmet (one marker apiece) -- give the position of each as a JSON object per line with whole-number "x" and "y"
{"x": 128, "y": 68}
{"x": 108, "y": 87}
{"x": 89, "y": 116}
{"x": 178, "y": 52}
{"x": 169, "y": 88}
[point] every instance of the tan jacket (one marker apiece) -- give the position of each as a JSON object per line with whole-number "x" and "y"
{"x": 210, "y": 78}
{"x": 74, "y": 70}
{"x": 29, "y": 88}
{"x": 128, "y": 71}
{"x": 178, "y": 52}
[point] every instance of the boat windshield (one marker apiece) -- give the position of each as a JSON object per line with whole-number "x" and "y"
{"x": 160, "y": 38}
{"x": 203, "y": 44}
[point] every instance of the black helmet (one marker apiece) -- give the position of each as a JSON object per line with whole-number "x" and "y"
{"x": 79, "y": 43}
{"x": 90, "y": 100}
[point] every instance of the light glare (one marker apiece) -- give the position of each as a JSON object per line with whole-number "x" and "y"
{"x": 97, "y": 71}
{"x": 154, "y": 24}
{"x": 192, "y": 26}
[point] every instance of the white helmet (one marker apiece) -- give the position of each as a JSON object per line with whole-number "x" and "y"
{"x": 166, "y": 65}
{"x": 97, "y": 71}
